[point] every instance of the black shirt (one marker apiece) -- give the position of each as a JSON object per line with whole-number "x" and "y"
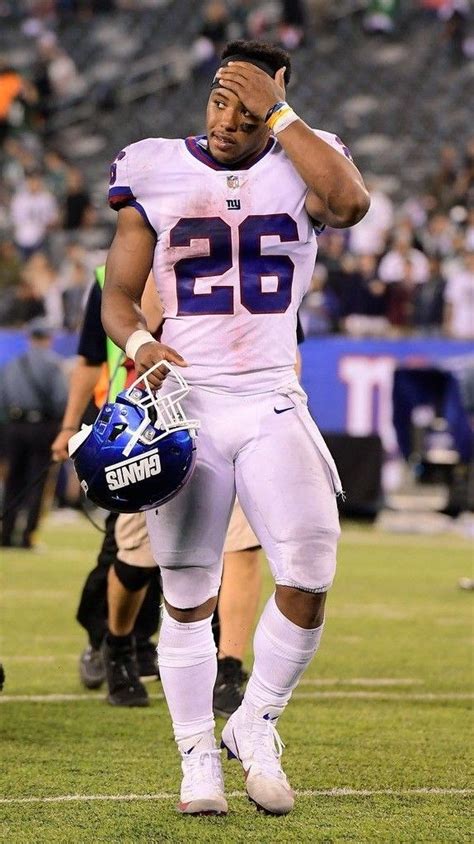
{"x": 93, "y": 339}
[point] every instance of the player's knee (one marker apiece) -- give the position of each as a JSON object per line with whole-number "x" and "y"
{"x": 132, "y": 578}
{"x": 304, "y": 608}
{"x": 311, "y": 563}
{"x": 191, "y": 614}
{"x": 190, "y": 587}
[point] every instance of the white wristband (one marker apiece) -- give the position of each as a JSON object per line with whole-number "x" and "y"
{"x": 284, "y": 121}
{"x": 136, "y": 340}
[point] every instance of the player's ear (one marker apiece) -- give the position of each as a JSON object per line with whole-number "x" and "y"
{"x": 280, "y": 78}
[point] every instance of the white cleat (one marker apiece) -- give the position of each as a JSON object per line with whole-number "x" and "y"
{"x": 202, "y": 788}
{"x": 251, "y": 738}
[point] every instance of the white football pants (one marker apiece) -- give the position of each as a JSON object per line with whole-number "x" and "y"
{"x": 267, "y": 448}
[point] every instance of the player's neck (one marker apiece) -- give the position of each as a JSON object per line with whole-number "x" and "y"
{"x": 239, "y": 163}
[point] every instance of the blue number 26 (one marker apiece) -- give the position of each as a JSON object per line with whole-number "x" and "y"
{"x": 253, "y": 266}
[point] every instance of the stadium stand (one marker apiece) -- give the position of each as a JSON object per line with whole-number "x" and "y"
{"x": 106, "y": 74}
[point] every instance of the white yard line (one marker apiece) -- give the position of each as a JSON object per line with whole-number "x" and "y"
{"x": 329, "y": 792}
{"x": 317, "y": 681}
{"x": 418, "y": 697}
{"x": 323, "y": 695}
{"x": 58, "y": 658}
{"x": 56, "y": 698}
{"x": 362, "y": 681}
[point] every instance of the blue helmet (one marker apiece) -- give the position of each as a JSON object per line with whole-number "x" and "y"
{"x": 141, "y": 449}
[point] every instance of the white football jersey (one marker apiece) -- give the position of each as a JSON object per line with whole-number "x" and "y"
{"x": 234, "y": 255}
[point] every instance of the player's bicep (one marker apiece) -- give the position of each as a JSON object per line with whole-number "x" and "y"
{"x": 130, "y": 256}
{"x": 315, "y": 207}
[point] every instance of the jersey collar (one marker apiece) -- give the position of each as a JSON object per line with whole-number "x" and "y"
{"x": 197, "y": 146}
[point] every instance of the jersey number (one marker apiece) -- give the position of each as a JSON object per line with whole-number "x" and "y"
{"x": 253, "y": 266}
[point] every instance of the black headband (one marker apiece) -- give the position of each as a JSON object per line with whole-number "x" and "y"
{"x": 239, "y": 58}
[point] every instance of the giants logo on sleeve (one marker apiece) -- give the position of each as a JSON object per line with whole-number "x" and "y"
{"x": 120, "y": 194}
{"x": 113, "y": 167}
{"x": 130, "y": 471}
{"x": 345, "y": 149}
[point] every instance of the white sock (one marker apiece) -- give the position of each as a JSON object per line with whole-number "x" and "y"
{"x": 188, "y": 671}
{"x": 282, "y": 651}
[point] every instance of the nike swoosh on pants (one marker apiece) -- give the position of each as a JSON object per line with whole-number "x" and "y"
{"x": 283, "y": 409}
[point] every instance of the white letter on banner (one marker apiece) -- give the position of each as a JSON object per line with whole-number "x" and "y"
{"x": 369, "y": 397}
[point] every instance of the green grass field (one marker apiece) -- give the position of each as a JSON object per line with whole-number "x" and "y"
{"x": 377, "y": 736}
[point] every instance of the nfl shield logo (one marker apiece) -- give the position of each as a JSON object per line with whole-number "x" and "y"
{"x": 232, "y": 182}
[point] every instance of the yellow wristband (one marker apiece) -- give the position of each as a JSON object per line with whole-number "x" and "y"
{"x": 282, "y": 119}
{"x": 285, "y": 109}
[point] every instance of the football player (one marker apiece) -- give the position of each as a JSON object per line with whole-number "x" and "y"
{"x": 229, "y": 222}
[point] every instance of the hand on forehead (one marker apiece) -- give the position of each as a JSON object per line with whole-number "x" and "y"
{"x": 245, "y": 68}
{"x": 254, "y": 87}
{"x": 245, "y": 61}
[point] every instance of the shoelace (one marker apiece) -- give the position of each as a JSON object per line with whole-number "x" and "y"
{"x": 199, "y": 772}
{"x": 268, "y": 749}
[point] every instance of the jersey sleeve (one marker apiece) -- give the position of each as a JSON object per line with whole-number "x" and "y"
{"x": 335, "y": 142}
{"x": 129, "y": 183}
{"x": 120, "y": 189}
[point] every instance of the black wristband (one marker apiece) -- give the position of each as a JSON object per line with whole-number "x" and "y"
{"x": 273, "y": 109}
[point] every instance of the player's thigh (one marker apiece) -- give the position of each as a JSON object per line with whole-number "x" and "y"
{"x": 240, "y": 536}
{"x": 187, "y": 534}
{"x": 286, "y": 488}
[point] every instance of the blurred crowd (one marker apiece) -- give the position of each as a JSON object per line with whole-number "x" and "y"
{"x": 48, "y": 244}
{"x": 405, "y": 268}
{"x": 50, "y": 239}
{"x": 287, "y": 22}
